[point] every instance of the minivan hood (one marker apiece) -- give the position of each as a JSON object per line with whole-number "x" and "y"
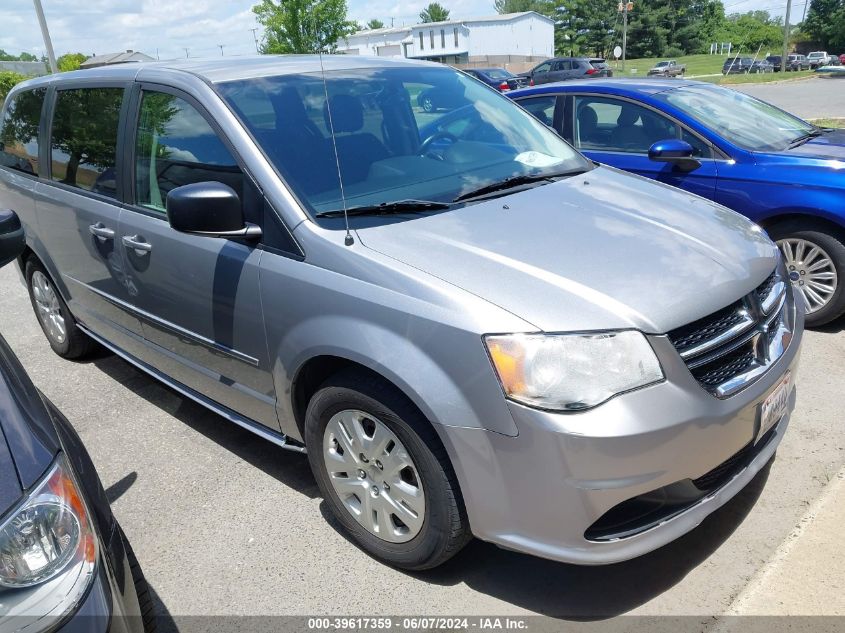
{"x": 603, "y": 250}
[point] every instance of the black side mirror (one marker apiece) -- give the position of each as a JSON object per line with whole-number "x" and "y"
{"x": 12, "y": 238}
{"x": 211, "y": 209}
{"x": 674, "y": 150}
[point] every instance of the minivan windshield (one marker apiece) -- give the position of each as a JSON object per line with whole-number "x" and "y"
{"x": 401, "y": 134}
{"x": 749, "y": 123}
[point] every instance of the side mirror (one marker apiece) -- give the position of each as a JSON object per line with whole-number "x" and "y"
{"x": 12, "y": 239}
{"x": 211, "y": 209}
{"x": 674, "y": 150}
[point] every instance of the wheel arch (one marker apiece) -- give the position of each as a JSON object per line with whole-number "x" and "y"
{"x": 809, "y": 218}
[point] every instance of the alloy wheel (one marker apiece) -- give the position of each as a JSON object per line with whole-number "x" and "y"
{"x": 49, "y": 307}
{"x": 811, "y": 271}
{"x": 428, "y": 104}
{"x": 374, "y": 476}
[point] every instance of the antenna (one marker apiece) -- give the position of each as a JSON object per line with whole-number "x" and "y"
{"x": 348, "y": 239}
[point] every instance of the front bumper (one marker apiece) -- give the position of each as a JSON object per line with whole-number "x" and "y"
{"x": 541, "y": 491}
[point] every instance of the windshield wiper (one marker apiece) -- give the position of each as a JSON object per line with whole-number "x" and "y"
{"x": 386, "y": 208}
{"x": 515, "y": 181}
{"x": 804, "y": 138}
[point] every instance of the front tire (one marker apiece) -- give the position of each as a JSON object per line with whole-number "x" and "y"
{"x": 54, "y": 317}
{"x": 815, "y": 263}
{"x": 384, "y": 473}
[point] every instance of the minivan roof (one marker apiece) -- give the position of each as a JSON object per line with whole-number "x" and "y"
{"x": 222, "y": 69}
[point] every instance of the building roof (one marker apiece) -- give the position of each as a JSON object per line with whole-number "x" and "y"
{"x": 499, "y": 17}
{"x": 115, "y": 58}
{"x": 33, "y": 69}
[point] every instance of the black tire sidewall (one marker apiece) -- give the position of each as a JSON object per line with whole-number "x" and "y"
{"x": 426, "y": 548}
{"x": 834, "y": 246}
{"x": 62, "y": 349}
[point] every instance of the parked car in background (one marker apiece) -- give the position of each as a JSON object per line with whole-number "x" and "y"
{"x": 842, "y": 59}
{"x": 64, "y": 561}
{"x": 782, "y": 172}
{"x": 776, "y": 61}
{"x": 797, "y": 62}
{"x": 817, "y": 59}
{"x": 737, "y": 65}
{"x": 668, "y": 68}
{"x": 498, "y": 78}
{"x": 762, "y": 66}
{"x": 474, "y": 330}
{"x": 565, "y": 68}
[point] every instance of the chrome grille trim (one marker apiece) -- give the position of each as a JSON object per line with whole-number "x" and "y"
{"x": 740, "y": 342}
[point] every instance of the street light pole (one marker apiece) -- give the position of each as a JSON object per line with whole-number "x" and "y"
{"x": 48, "y": 43}
{"x": 255, "y": 37}
{"x": 221, "y": 49}
{"x": 785, "y": 59}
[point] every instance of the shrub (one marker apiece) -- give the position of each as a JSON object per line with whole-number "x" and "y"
{"x": 674, "y": 51}
{"x": 8, "y": 80}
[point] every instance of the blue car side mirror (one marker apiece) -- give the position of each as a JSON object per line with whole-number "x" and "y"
{"x": 676, "y": 151}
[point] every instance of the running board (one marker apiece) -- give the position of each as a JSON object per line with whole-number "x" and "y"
{"x": 279, "y": 439}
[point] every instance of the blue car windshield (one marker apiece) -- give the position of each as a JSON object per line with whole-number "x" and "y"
{"x": 401, "y": 133}
{"x": 743, "y": 120}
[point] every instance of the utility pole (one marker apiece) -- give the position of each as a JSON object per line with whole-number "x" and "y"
{"x": 186, "y": 53}
{"x": 624, "y": 7}
{"x": 48, "y": 43}
{"x": 221, "y": 49}
{"x": 255, "y": 37}
{"x": 785, "y": 59}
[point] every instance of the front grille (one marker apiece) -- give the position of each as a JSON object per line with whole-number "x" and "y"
{"x": 725, "y": 367}
{"x": 725, "y": 351}
{"x": 690, "y": 336}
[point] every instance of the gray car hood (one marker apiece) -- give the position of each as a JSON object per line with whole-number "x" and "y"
{"x": 603, "y": 250}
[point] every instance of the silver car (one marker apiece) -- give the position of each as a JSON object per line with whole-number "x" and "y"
{"x": 471, "y": 328}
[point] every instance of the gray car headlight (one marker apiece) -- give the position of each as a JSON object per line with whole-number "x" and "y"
{"x": 48, "y": 552}
{"x": 570, "y": 372}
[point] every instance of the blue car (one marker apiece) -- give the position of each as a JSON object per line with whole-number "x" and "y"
{"x": 782, "y": 172}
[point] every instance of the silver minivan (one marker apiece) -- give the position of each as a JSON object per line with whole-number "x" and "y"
{"x": 471, "y": 328}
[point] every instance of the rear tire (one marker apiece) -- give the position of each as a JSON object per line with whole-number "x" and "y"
{"x": 444, "y": 528}
{"x": 53, "y": 315}
{"x": 806, "y": 266}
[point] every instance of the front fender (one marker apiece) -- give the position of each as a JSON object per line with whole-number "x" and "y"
{"x": 458, "y": 389}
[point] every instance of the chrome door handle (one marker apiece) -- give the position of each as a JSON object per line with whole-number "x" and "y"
{"x": 101, "y": 232}
{"x": 137, "y": 243}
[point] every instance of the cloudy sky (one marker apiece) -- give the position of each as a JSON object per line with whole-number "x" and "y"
{"x": 167, "y": 27}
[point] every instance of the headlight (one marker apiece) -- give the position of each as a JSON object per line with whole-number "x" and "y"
{"x": 48, "y": 552}
{"x": 569, "y": 372}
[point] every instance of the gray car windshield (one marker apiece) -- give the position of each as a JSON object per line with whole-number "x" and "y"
{"x": 406, "y": 133}
{"x": 746, "y": 121}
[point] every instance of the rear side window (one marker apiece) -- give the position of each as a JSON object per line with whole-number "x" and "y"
{"x": 19, "y": 135}
{"x": 176, "y": 146}
{"x": 83, "y": 142}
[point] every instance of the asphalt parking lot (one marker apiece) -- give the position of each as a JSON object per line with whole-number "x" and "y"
{"x": 225, "y": 523}
{"x": 814, "y": 98}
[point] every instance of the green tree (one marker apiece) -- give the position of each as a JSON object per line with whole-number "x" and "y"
{"x": 753, "y": 30}
{"x": 70, "y": 61}
{"x": 825, "y": 23}
{"x": 434, "y": 12}
{"x": 303, "y": 26}
{"x": 375, "y": 24}
{"x": 518, "y": 6}
{"x": 8, "y": 80}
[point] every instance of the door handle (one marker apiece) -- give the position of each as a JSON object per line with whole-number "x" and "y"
{"x": 101, "y": 231}
{"x": 137, "y": 243}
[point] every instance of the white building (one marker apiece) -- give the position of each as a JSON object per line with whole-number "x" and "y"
{"x": 512, "y": 37}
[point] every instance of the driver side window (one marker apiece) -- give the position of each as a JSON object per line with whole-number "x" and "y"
{"x": 615, "y": 125}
